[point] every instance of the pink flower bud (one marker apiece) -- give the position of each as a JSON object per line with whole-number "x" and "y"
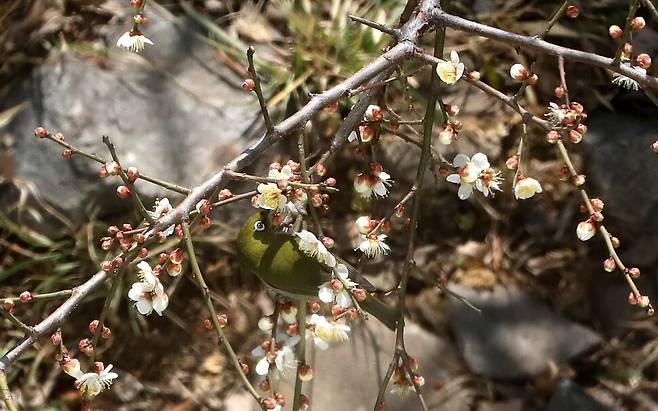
{"x": 280, "y": 399}
{"x": 575, "y": 137}
{"x": 275, "y": 166}
{"x": 654, "y": 146}
{"x": 102, "y": 171}
{"x": 559, "y": 91}
{"x": 633, "y": 298}
{"x": 627, "y": 49}
{"x": 609, "y": 264}
{"x": 638, "y": 23}
{"x": 473, "y": 75}
{"x": 205, "y": 222}
{"x": 132, "y": 173}
{"x": 581, "y": 128}
{"x": 207, "y": 324}
{"x": 40, "y": 132}
{"x": 336, "y": 285}
{"x": 579, "y": 179}
{"x": 330, "y": 182}
{"x": 585, "y": 230}
{"x": 248, "y": 84}
{"x": 222, "y": 319}
{"x": 452, "y": 109}
{"x": 563, "y": 174}
{"x": 106, "y": 266}
{"x": 352, "y": 314}
{"x": 203, "y": 206}
{"x": 56, "y": 338}
{"x": 615, "y": 241}
{"x": 366, "y": 133}
{"x": 316, "y": 200}
{"x": 93, "y": 326}
{"x": 336, "y": 310}
{"x": 328, "y": 242}
{"x": 25, "y": 296}
{"x": 419, "y": 380}
{"x": 86, "y": 347}
{"x": 576, "y": 106}
{"x": 305, "y": 373}
{"x": 264, "y": 385}
{"x": 59, "y": 136}
{"x": 107, "y": 244}
{"x": 615, "y": 31}
{"x": 225, "y": 194}
{"x": 292, "y": 329}
{"x": 359, "y": 294}
{"x": 174, "y": 269}
{"x": 123, "y": 192}
{"x": 643, "y": 301}
{"x": 313, "y": 306}
{"x": 294, "y": 166}
{"x": 572, "y": 11}
{"x": 633, "y": 272}
{"x": 512, "y": 163}
{"x": 8, "y": 305}
{"x": 643, "y": 60}
{"x": 106, "y": 333}
{"x": 321, "y": 169}
{"x": 518, "y": 72}
{"x": 456, "y": 124}
{"x": 118, "y": 260}
{"x": 67, "y": 153}
{"x": 269, "y": 403}
{"x": 597, "y": 204}
{"x": 552, "y": 137}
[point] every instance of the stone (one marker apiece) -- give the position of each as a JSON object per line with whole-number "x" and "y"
{"x": 174, "y": 111}
{"x": 347, "y": 375}
{"x": 571, "y": 397}
{"x": 622, "y": 169}
{"x": 515, "y": 336}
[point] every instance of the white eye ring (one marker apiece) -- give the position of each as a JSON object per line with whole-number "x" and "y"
{"x": 259, "y": 226}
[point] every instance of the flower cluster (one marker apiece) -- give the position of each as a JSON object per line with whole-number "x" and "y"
{"x": 475, "y": 173}
{"x": 640, "y": 63}
{"x": 567, "y": 119}
{"x": 401, "y": 382}
{"x": 134, "y": 40}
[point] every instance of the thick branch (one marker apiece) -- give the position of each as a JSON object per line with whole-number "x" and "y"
{"x": 448, "y": 20}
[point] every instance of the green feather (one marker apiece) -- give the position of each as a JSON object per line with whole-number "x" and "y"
{"x": 277, "y": 260}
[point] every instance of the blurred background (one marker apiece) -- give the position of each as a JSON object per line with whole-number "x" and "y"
{"x": 555, "y": 331}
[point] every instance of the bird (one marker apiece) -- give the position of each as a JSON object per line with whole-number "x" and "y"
{"x": 276, "y": 258}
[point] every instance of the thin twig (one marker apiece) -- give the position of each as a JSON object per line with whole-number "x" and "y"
{"x": 652, "y": 9}
{"x": 101, "y": 319}
{"x": 259, "y": 92}
{"x": 377, "y": 26}
{"x": 301, "y": 353}
{"x": 44, "y": 296}
{"x": 20, "y": 324}
{"x": 308, "y": 186}
{"x": 134, "y": 195}
{"x": 198, "y": 276}
{"x": 6, "y": 394}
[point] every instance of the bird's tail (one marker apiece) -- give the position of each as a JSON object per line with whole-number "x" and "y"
{"x": 388, "y": 315}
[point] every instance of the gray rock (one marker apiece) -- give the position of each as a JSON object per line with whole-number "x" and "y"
{"x": 347, "y": 376}
{"x": 173, "y": 111}
{"x": 622, "y": 169}
{"x": 515, "y": 336}
{"x": 571, "y": 397}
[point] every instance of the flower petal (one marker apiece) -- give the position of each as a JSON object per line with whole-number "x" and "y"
{"x": 464, "y": 191}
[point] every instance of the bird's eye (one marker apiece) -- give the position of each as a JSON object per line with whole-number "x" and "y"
{"x": 259, "y": 226}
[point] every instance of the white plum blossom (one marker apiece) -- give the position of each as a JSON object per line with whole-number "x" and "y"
{"x": 133, "y": 40}
{"x": 328, "y": 332}
{"x": 626, "y": 82}
{"x": 283, "y": 357}
{"x": 289, "y": 313}
{"x": 373, "y": 245}
{"x": 90, "y": 384}
{"x": 327, "y": 294}
{"x": 311, "y": 246}
{"x": 271, "y": 198}
{"x": 284, "y": 174}
{"x": 489, "y": 181}
{"x": 555, "y": 114}
{"x": 526, "y": 187}
{"x": 469, "y": 170}
{"x": 148, "y": 293}
{"x": 374, "y": 183}
{"x": 450, "y": 71}
{"x": 162, "y": 208}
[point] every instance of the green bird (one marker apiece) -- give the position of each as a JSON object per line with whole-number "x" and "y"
{"x": 277, "y": 260}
